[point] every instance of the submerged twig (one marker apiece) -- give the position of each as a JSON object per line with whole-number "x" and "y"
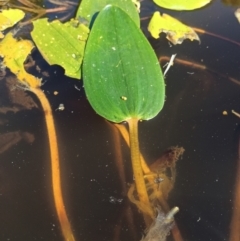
{"x": 161, "y": 226}
{"x": 170, "y": 63}
{"x": 235, "y": 113}
{"x": 192, "y": 64}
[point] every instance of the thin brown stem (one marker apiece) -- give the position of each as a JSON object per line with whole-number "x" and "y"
{"x": 199, "y": 30}
{"x": 56, "y": 178}
{"x": 29, "y": 9}
{"x": 235, "y": 220}
{"x": 192, "y": 64}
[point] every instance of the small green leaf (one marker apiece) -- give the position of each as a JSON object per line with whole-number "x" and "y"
{"x": 182, "y": 4}
{"x": 88, "y": 8}
{"x": 61, "y": 44}
{"x": 121, "y": 73}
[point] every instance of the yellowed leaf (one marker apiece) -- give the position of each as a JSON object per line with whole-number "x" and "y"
{"x": 175, "y": 30}
{"x": 10, "y": 17}
{"x": 15, "y": 53}
{"x": 237, "y": 14}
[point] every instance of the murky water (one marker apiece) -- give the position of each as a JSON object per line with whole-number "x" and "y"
{"x": 191, "y": 118}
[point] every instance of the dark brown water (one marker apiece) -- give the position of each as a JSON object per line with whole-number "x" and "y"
{"x": 192, "y": 118}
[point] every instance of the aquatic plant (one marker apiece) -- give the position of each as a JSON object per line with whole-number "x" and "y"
{"x": 14, "y": 53}
{"x": 120, "y": 83}
{"x": 109, "y": 106}
{"x": 68, "y": 51}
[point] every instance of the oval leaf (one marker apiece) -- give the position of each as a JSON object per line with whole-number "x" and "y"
{"x": 121, "y": 73}
{"x": 182, "y": 4}
{"x": 88, "y": 8}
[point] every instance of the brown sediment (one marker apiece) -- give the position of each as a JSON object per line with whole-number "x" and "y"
{"x": 13, "y": 92}
{"x": 2, "y": 72}
{"x": 168, "y": 159}
{"x": 14, "y": 96}
{"x": 9, "y": 139}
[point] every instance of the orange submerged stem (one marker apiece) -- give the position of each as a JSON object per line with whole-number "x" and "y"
{"x": 56, "y": 179}
{"x": 235, "y": 220}
{"x": 125, "y": 136}
{"x": 137, "y": 168}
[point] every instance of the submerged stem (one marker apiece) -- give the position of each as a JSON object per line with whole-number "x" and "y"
{"x": 235, "y": 219}
{"x": 56, "y": 179}
{"x": 137, "y": 168}
{"x": 125, "y": 136}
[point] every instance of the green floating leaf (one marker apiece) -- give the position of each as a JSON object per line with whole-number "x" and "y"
{"x": 88, "y": 8}
{"x": 61, "y": 44}
{"x": 182, "y": 4}
{"x": 175, "y": 30}
{"x": 121, "y": 73}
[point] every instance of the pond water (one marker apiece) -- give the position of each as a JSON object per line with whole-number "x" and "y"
{"x": 192, "y": 118}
